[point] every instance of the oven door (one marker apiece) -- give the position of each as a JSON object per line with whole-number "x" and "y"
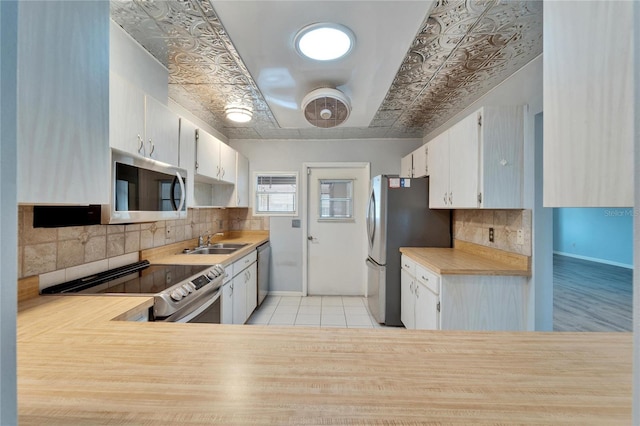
{"x": 207, "y": 312}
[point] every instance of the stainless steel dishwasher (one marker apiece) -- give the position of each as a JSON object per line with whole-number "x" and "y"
{"x": 264, "y": 253}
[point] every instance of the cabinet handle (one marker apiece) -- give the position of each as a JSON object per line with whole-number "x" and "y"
{"x": 425, "y": 278}
{"x": 218, "y": 171}
{"x": 153, "y": 147}
{"x": 140, "y": 144}
{"x": 445, "y": 198}
{"x": 451, "y": 198}
{"x": 417, "y": 292}
{"x": 222, "y": 172}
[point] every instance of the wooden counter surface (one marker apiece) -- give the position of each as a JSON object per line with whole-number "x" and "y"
{"x": 468, "y": 260}
{"x": 172, "y": 254}
{"x": 75, "y": 367}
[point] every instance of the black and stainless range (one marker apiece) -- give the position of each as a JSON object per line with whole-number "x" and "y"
{"x": 182, "y": 293}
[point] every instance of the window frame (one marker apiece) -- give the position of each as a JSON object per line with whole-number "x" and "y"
{"x": 255, "y": 193}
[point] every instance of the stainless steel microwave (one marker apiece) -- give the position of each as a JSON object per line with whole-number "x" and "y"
{"x": 144, "y": 190}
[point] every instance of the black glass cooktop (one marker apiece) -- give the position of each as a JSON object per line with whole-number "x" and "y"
{"x": 136, "y": 278}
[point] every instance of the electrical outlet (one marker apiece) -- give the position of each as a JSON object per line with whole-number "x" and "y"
{"x": 520, "y": 237}
{"x": 490, "y": 235}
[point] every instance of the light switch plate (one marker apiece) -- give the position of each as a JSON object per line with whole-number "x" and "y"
{"x": 295, "y": 223}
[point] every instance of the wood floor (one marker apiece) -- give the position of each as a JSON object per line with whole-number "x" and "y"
{"x": 590, "y": 296}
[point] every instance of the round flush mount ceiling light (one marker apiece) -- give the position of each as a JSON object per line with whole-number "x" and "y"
{"x": 324, "y": 41}
{"x": 238, "y": 114}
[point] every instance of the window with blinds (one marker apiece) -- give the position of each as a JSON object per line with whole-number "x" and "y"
{"x": 276, "y": 193}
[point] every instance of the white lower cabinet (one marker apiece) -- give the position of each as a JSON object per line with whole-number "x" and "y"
{"x": 226, "y": 304}
{"x": 419, "y": 306}
{"x": 240, "y": 290}
{"x": 430, "y": 301}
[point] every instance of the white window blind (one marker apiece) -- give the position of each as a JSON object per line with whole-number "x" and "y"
{"x": 276, "y": 193}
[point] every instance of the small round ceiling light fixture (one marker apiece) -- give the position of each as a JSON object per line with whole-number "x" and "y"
{"x": 326, "y": 108}
{"x": 324, "y": 41}
{"x": 238, "y": 114}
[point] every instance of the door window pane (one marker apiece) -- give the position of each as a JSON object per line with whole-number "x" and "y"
{"x": 336, "y": 199}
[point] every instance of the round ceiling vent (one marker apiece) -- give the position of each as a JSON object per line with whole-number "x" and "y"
{"x": 326, "y": 108}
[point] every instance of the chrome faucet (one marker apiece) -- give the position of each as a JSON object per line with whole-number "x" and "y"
{"x": 201, "y": 239}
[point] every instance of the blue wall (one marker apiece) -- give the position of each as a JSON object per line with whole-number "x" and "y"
{"x": 600, "y": 234}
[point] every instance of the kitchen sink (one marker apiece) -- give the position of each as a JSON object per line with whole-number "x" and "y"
{"x": 218, "y": 248}
{"x": 229, "y": 245}
{"x": 212, "y": 250}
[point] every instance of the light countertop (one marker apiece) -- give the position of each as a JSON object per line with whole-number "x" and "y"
{"x": 172, "y": 254}
{"x": 75, "y": 366}
{"x": 462, "y": 261}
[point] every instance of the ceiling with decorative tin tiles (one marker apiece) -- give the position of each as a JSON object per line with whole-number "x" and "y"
{"x": 457, "y": 52}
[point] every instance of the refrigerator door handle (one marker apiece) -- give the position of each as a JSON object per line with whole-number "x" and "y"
{"x": 371, "y": 218}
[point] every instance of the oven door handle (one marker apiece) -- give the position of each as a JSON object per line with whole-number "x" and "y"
{"x": 191, "y": 315}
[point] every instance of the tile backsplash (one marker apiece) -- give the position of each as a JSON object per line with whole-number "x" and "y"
{"x": 45, "y": 250}
{"x": 473, "y": 226}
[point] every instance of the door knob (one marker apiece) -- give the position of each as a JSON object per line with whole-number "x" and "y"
{"x": 310, "y": 238}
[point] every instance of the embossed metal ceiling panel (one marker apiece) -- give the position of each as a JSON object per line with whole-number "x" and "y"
{"x": 461, "y": 51}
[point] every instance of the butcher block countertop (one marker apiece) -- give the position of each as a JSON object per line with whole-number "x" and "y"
{"x": 172, "y": 254}
{"x": 469, "y": 259}
{"x": 76, "y": 366}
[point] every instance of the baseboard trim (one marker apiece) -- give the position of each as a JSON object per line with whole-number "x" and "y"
{"x": 594, "y": 259}
{"x": 285, "y": 293}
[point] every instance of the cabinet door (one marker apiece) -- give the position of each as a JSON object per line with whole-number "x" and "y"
{"x": 420, "y": 168}
{"x": 62, "y": 103}
{"x": 407, "y": 299}
{"x": 588, "y": 104}
{"x": 227, "y": 163}
{"x": 242, "y": 181}
{"x": 126, "y": 116}
{"x": 207, "y": 155}
{"x": 226, "y": 304}
{"x": 463, "y": 162}
{"x": 187, "y": 148}
{"x": 501, "y": 171}
{"x": 239, "y": 299}
{"x": 426, "y": 309}
{"x": 438, "y": 161}
{"x": 161, "y": 130}
{"x": 252, "y": 289}
{"x": 406, "y": 166}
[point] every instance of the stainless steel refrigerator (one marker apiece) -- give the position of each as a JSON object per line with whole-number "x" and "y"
{"x": 398, "y": 215}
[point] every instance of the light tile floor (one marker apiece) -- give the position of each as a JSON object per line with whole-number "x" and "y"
{"x": 314, "y": 311}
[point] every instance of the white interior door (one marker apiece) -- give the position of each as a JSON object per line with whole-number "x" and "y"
{"x": 336, "y": 237}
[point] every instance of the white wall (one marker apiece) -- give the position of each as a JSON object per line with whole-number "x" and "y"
{"x": 289, "y": 155}
{"x": 8, "y": 212}
{"x": 133, "y": 62}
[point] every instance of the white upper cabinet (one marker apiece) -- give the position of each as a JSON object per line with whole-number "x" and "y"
{"x": 161, "y": 134}
{"x": 214, "y": 159}
{"x": 588, "y": 104}
{"x": 478, "y": 162}
{"x": 406, "y": 166}
{"x": 242, "y": 181}
{"x": 420, "y": 163}
{"x": 415, "y": 165}
{"x": 126, "y": 115}
{"x": 439, "y": 171}
{"x": 187, "y": 143}
{"x": 63, "y": 102}
{"x": 227, "y": 163}
{"x": 141, "y": 125}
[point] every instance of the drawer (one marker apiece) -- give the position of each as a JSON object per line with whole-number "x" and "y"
{"x": 428, "y": 278}
{"x": 240, "y": 265}
{"x": 408, "y": 265}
